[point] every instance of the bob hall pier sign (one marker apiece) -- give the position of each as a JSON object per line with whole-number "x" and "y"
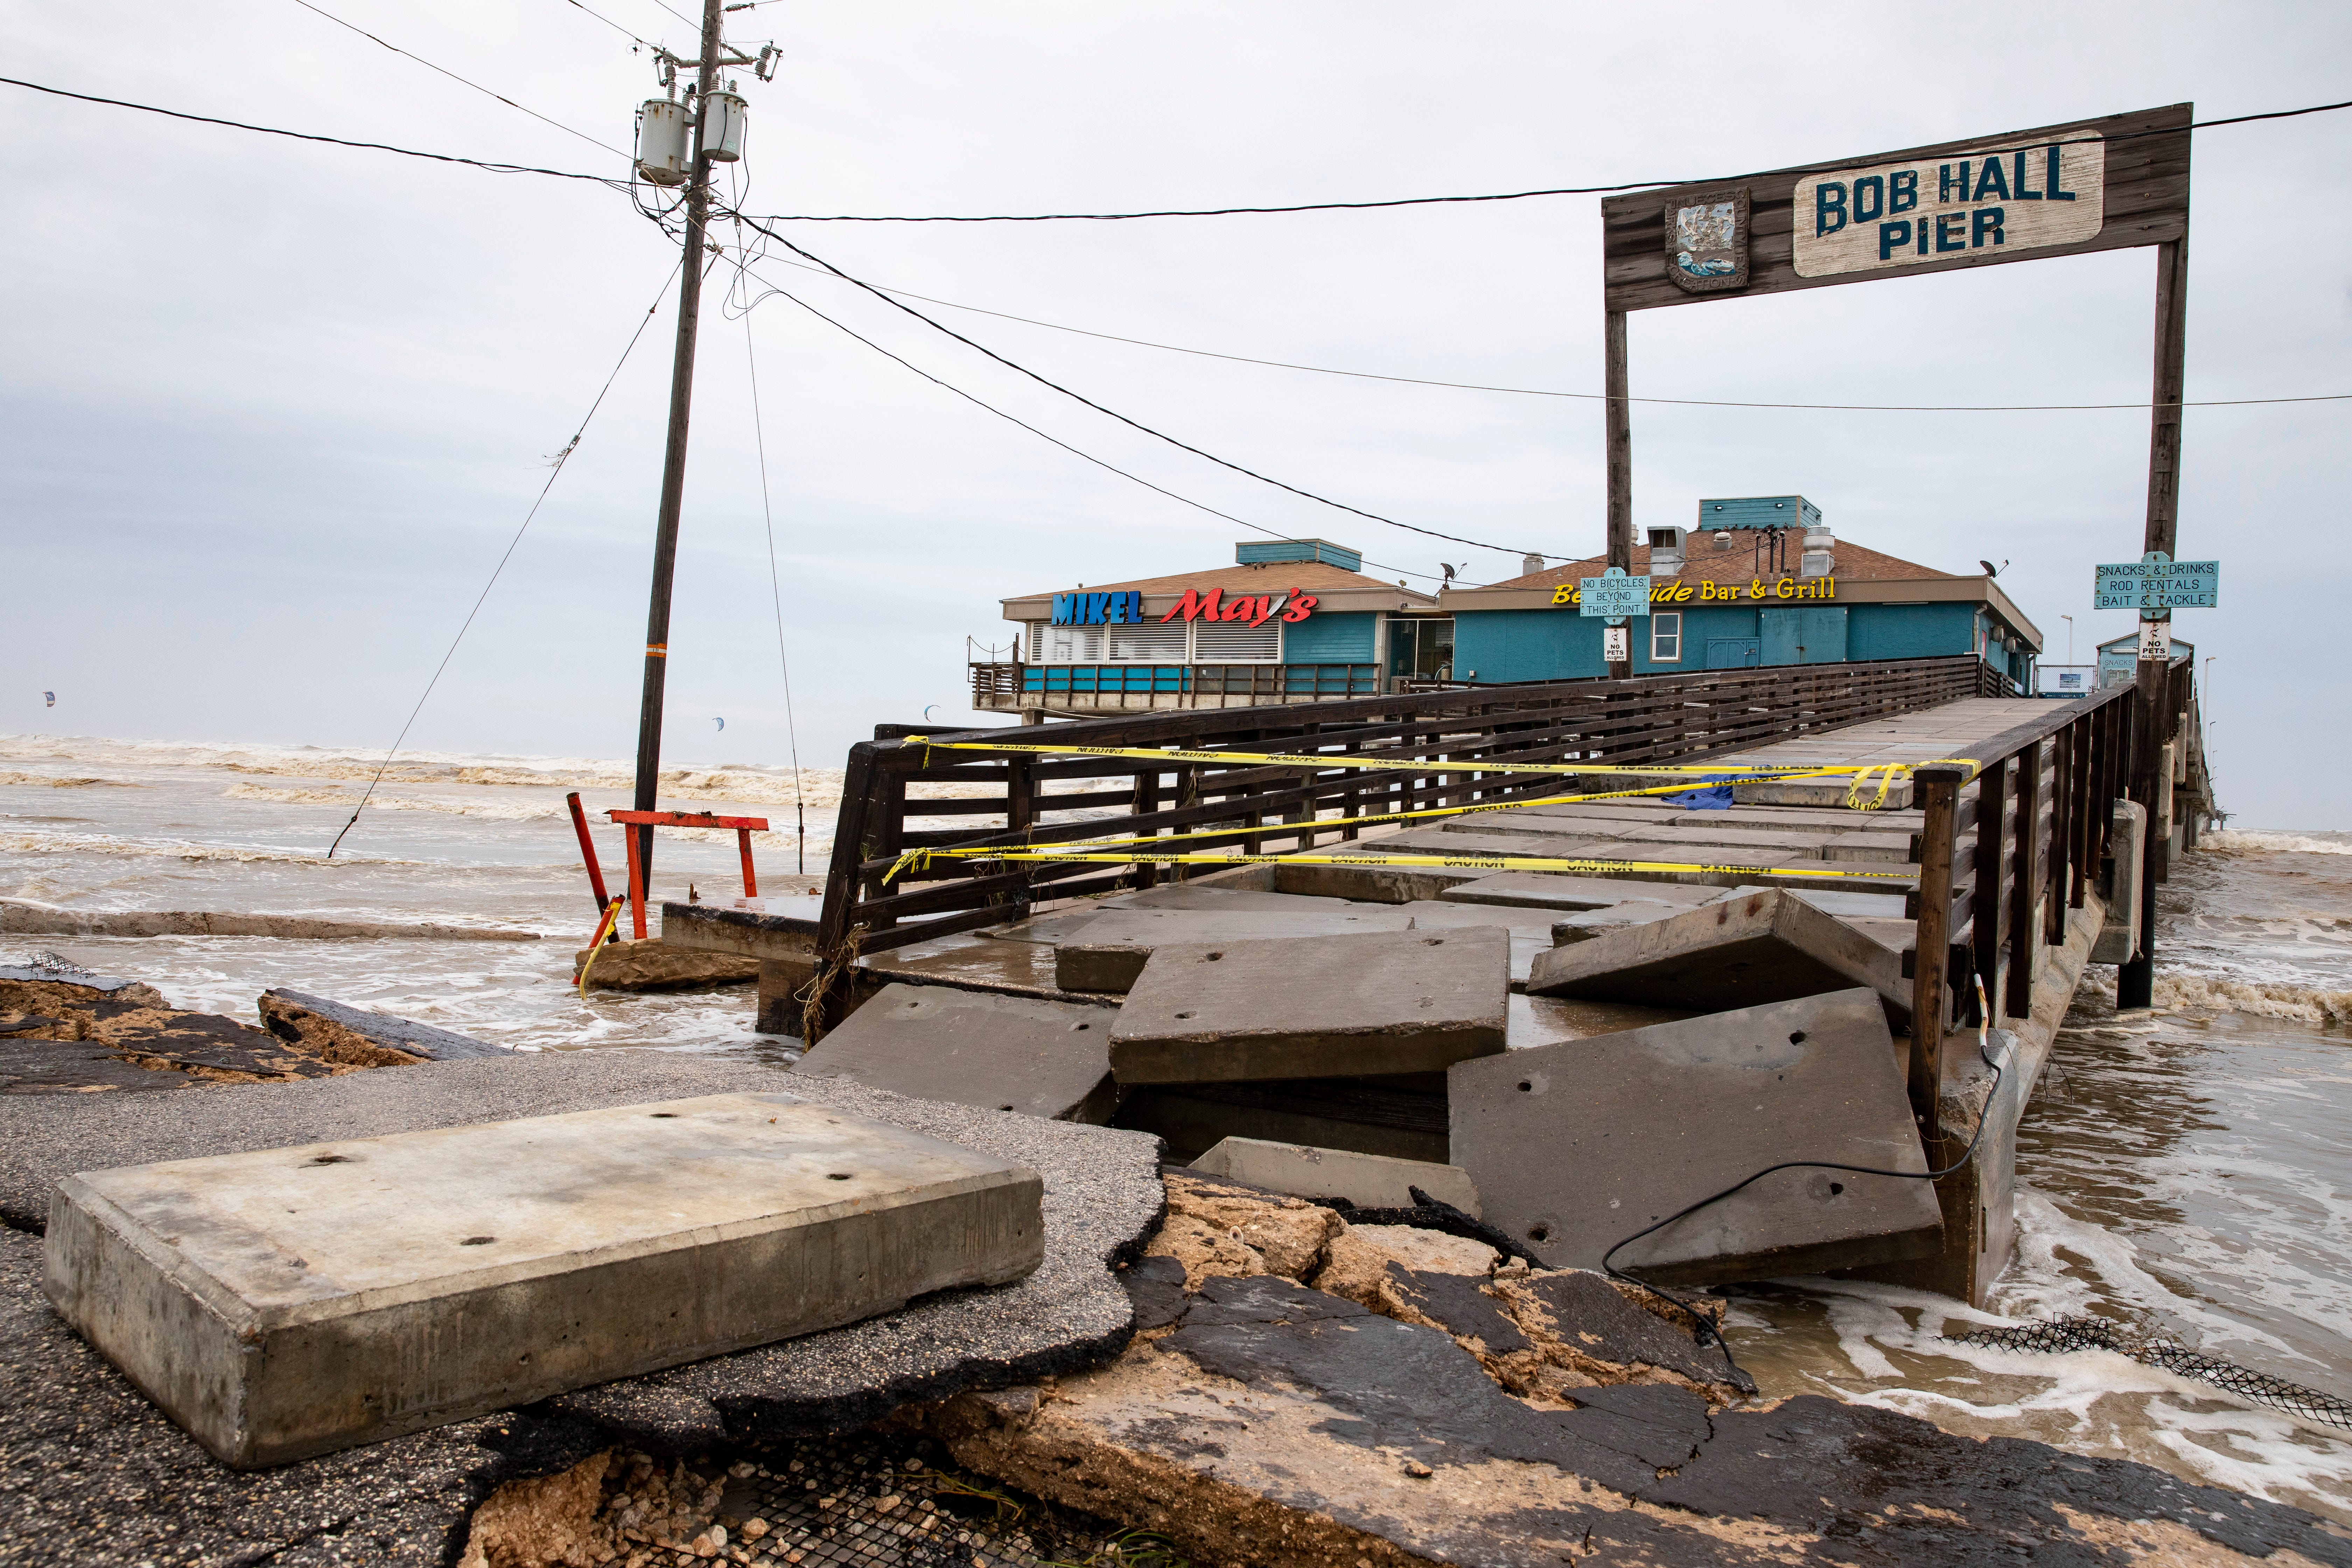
{"x": 2106, "y": 184}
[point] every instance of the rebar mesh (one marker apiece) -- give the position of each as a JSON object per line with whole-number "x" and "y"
{"x": 2064, "y": 1334}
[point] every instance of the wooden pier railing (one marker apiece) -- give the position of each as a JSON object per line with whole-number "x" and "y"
{"x": 2003, "y": 856}
{"x": 973, "y": 799}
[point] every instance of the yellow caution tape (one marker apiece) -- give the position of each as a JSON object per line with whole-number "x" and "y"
{"x": 918, "y": 859}
{"x": 1412, "y": 765}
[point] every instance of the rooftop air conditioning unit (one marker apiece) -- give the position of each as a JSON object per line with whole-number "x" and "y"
{"x": 1819, "y": 560}
{"x": 1667, "y": 553}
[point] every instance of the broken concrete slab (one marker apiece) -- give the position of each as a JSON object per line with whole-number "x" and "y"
{"x": 1579, "y": 1146}
{"x": 1367, "y": 1181}
{"x": 1766, "y": 946}
{"x": 969, "y": 1047}
{"x": 657, "y": 966}
{"x": 1104, "y": 1195}
{"x": 335, "y": 1032}
{"x": 291, "y": 1302}
{"x": 1545, "y": 824}
{"x": 125, "y": 1029}
{"x": 1586, "y": 924}
{"x": 1546, "y": 1020}
{"x": 1402, "y": 1118}
{"x": 1282, "y": 1434}
{"x": 1316, "y": 1006}
{"x": 1198, "y": 896}
{"x": 1109, "y": 954}
{"x": 1557, "y": 890}
{"x": 1854, "y": 906}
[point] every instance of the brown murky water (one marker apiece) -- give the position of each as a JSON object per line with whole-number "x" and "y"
{"x": 2188, "y": 1171}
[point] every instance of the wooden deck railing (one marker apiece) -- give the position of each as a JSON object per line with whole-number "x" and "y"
{"x": 2004, "y": 856}
{"x": 1060, "y": 799}
{"x": 1147, "y": 686}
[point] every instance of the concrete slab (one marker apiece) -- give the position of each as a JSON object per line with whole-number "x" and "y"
{"x": 1548, "y": 824}
{"x": 969, "y": 1047}
{"x": 292, "y": 1303}
{"x": 1553, "y": 890}
{"x": 1578, "y": 1146}
{"x": 1402, "y": 1118}
{"x": 1367, "y": 1181}
{"x": 1319, "y": 1006}
{"x": 1854, "y": 906}
{"x": 1103, "y": 1197}
{"x": 1530, "y": 930}
{"x": 1546, "y": 1020}
{"x": 335, "y": 1032}
{"x": 1768, "y": 946}
{"x": 1109, "y": 953}
{"x": 1586, "y": 924}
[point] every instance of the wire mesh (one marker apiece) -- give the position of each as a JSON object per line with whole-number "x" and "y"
{"x": 2064, "y": 1334}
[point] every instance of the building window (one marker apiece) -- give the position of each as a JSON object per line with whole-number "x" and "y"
{"x": 1235, "y": 643}
{"x": 1177, "y": 642}
{"x": 1666, "y": 638}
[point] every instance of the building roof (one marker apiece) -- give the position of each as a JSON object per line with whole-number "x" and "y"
{"x": 1271, "y": 575}
{"x": 1704, "y": 559}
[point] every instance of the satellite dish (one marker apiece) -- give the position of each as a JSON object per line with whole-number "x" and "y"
{"x": 1992, "y": 570}
{"x": 720, "y": 722}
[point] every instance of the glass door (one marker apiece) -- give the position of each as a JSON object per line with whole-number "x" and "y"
{"x": 1421, "y": 647}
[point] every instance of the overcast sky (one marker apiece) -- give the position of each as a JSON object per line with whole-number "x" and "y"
{"x": 273, "y": 410}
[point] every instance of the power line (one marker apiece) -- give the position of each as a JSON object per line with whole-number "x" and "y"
{"x": 495, "y": 168}
{"x": 1503, "y": 196}
{"x": 1013, "y": 419}
{"x": 776, "y": 591}
{"x": 1132, "y": 424}
{"x": 1590, "y": 396}
{"x": 461, "y": 82}
{"x": 555, "y": 472}
{"x": 608, "y": 21}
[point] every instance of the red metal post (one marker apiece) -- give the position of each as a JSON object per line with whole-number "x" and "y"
{"x": 636, "y": 886}
{"x": 588, "y": 852}
{"x": 743, "y": 843}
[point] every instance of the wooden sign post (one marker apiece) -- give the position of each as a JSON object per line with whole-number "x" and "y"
{"x": 2109, "y": 184}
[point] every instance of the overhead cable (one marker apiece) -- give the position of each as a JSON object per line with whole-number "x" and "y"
{"x": 555, "y": 471}
{"x": 1503, "y": 196}
{"x": 644, "y": 43}
{"x": 493, "y": 167}
{"x": 1591, "y": 397}
{"x": 1013, "y": 419}
{"x": 1114, "y": 413}
{"x": 461, "y": 82}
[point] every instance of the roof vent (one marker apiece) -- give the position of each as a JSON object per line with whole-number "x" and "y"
{"x": 1529, "y": 565}
{"x": 1818, "y": 560}
{"x": 1257, "y": 552}
{"x": 1666, "y": 552}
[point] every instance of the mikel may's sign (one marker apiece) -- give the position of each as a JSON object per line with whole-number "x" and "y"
{"x": 1125, "y": 608}
{"x": 1999, "y": 198}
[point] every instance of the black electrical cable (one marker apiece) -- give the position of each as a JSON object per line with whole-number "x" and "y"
{"x": 1702, "y": 1325}
{"x": 1112, "y": 413}
{"x": 495, "y": 168}
{"x": 461, "y": 82}
{"x": 1595, "y": 397}
{"x": 1506, "y": 196}
{"x": 556, "y": 472}
{"x": 1001, "y": 414}
{"x": 641, "y": 43}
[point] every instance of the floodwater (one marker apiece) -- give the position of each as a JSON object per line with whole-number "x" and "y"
{"x": 2186, "y": 1173}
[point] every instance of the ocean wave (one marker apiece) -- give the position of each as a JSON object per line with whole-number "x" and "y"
{"x": 177, "y": 850}
{"x": 2256, "y": 843}
{"x": 335, "y": 794}
{"x": 2184, "y": 991}
{"x": 53, "y": 781}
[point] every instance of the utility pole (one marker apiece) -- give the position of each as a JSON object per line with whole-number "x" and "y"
{"x": 1618, "y": 420}
{"x": 2136, "y": 979}
{"x": 673, "y": 490}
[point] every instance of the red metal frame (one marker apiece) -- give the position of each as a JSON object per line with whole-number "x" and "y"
{"x": 744, "y": 827}
{"x": 588, "y": 854}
